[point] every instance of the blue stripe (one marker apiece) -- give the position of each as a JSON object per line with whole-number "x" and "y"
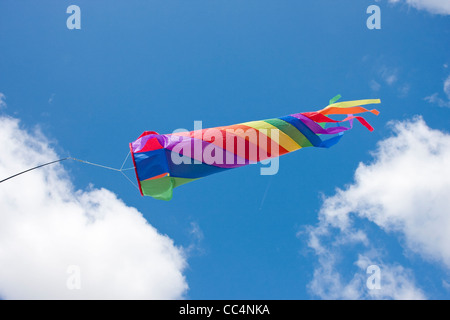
{"x": 303, "y": 128}
{"x": 330, "y": 142}
{"x": 189, "y": 169}
{"x": 150, "y": 164}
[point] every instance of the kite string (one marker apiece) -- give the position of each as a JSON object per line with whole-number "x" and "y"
{"x": 82, "y": 161}
{"x": 126, "y": 158}
{"x": 94, "y": 164}
{"x": 103, "y": 166}
{"x": 121, "y": 170}
{"x": 40, "y": 166}
{"x": 135, "y": 185}
{"x": 131, "y": 168}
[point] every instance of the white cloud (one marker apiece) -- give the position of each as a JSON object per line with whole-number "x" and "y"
{"x": 196, "y": 235}
{"x": 46, "y": 226}
{"x": 404, "y": 190}
{"x": 387, "y": 77}
{"x": 432, "y": 6}
{"x": 404, "y": 90}
{"x": 375, "y": 86}
{"x": 390, "y": 76}
{"x": 436, "y": 99}
{"x": 2, "y": 101}
{"x": 52, "y": 97}
{"x": 396, "y": 282}
{"x": 447, "y": 87}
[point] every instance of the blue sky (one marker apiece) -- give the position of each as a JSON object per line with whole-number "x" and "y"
{"x": 160, "y": 65}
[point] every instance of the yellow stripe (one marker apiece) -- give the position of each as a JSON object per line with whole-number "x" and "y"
{"x": 285, "y": 141}
{"x": 355, "y": 103}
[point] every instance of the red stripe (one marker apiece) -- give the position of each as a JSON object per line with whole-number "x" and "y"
{"x": 146, "y": 133}
{"x": 318, "y": 117}
{"x": 135, "y": 170}
{"x": 200, "y": 134}
{"x": 151, "y": 144}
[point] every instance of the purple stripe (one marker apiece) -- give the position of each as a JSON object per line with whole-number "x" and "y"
{"x": 194, "y": 149}
{"x": 316, "y": 128}
{"x": 140, "y": 143}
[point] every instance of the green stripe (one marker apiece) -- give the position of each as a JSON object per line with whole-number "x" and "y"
{"x": 336, "y": 98}
{"x": 291, "y": 131}
{"x": 162, "y": 188}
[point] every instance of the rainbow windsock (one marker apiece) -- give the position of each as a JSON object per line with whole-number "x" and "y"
{"x": 166, "y": 161}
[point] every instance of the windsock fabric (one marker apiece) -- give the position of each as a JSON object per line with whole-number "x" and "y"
{"x": 165, "y": 161}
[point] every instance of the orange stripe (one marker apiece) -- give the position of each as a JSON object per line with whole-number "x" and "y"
{"x": 158, "y": 176}
{"x": 268, "y": 145}
{"x": 239, "y": 136}
{"x": 351, "y": 110}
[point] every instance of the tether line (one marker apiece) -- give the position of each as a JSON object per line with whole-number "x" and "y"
{"x": 95, "y": 164}
{"x": 126, "y": 158}
{"x": 132, "y": 168}
{"x": 134, "y": 184}
{"x": 121, "y": 170}
{"x": 42, "y": 165}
